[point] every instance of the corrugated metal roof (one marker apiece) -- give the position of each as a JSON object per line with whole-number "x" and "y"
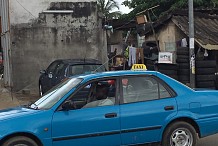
{"x": 206, "y": 29}
{"x": 206, "y": 26}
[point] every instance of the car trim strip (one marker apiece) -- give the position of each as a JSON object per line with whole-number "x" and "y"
{"x": 141, "y": 129}
{"x": 106, "y": 133}
{"x": 86, "y": 136}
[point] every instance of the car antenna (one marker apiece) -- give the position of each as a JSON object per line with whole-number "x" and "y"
{"x": 105, "y": 62}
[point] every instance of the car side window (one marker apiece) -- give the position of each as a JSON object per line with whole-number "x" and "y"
{"x": 52, "y": 67}
{"x": 163, "y": 91}
{"x": 59, "y": 69}
{"x": 95, "y": 94}
{"x": 136, "y": 89}
{"x": 139, "y": 89}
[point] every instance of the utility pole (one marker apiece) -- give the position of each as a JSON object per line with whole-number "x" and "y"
{"x": 191, "y": 44}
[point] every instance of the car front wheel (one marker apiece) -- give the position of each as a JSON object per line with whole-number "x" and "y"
{"x": 180, "y": 134}
{"x": 20, "y": 141}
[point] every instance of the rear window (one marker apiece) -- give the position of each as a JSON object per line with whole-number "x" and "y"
{"x": 85, "y": 69}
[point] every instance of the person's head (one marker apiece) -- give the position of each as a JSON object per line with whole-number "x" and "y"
{"x": 101, "y": 91}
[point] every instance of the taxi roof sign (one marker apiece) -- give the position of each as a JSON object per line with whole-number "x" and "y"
{"x": 139, "y": 67}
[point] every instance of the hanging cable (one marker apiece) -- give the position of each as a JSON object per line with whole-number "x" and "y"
{"x": 26, "y": 9}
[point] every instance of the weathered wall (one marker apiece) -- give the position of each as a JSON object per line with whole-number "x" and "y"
{"x": 164, "y": 35}
{"x": 23, "y": 11}
{"x": 115, "y": 38}
{"x": 179, "y": 35}
{"x": 62, "y": 35}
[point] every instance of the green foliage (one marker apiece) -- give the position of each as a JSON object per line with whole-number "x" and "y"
{"x": 106, "y": 7}
{"x": 165, "y": 5}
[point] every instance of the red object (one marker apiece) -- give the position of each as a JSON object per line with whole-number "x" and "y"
{"x": 1, "y": 58}
{"x": 111, "y": 82}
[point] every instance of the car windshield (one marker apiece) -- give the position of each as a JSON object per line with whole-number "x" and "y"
{"x": 85, "y": 69}
{"x": 55, "y": 94}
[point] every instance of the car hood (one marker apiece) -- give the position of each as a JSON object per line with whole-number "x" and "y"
{"x": 16, "y": 112}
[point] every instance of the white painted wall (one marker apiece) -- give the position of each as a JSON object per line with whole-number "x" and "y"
{"x": 23, "y": 11}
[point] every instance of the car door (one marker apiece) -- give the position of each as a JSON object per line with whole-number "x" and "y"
{"x": 48, "y": 75}
{"x": 58, "y": 74}
{"x": 147, "y": 103}
{"x": 85, "y": 125}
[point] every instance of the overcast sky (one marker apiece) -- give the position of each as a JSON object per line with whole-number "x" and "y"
{"x": 123, "y": 9}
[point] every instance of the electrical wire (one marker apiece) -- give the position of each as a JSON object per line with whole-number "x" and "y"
{"x": 26, "y": 9}
{"x": 124, "y": 24}
{"x": 154, "y": 14}
{"x": 105, "y": 63}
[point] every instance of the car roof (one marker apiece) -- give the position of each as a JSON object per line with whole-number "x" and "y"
{"x": 115, "y": 74}
{"x": 178, "y": 87}
{"x": 79, "y": 61}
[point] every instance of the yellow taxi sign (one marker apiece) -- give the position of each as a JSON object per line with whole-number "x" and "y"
{"x": 139, "y": 67}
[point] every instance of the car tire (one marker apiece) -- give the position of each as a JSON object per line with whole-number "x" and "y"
{"x": 174, "y": 77}
{"x": 179, "y": 133}
{"x": 206, "y": 84}
{"x": 40, "y": 90}
{"x": 184, "y": 72}
{"x": 183, "y": 57}
{"x": 205, "y": 71}
{"x": 168, "y": 72}
{"x": 200, "y": 78}
{"x": 165, "y": 66}
{"x": 185, "y": 82}
{"x": 20, "y": 140}
{"x": 182, "y": 60}
{"x": 184, "y": 78}
{"x": 184, "y": 66}
{"x": 206, "y": 64}
{"x": 182, "y": 51}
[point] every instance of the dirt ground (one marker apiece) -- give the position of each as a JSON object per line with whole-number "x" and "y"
{"x": 8, "y": 99}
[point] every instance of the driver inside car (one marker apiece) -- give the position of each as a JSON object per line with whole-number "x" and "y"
{"x": 101, "y": 97}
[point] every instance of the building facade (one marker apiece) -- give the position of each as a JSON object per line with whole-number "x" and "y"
{"x": 41, "y": 31}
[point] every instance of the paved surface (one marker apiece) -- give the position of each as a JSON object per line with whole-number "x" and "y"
{"x": 10, "y": 100}
{"x": 209, "y": 141}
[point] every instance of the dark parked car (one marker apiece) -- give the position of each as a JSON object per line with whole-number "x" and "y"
{"x": 58, "y": 70}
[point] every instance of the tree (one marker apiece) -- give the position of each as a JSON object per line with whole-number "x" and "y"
{"x": 166, "y": 5}
{"x": 106, "y": 7}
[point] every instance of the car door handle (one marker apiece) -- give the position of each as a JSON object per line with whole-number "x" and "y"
{"x": 111, "y": 115}
{"x": 168, "y": 108}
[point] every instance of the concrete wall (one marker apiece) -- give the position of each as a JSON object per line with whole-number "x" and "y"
{"x": 36, "y": 42}
{"x": 115, "y": 38}
{"x": 25, "y": 11}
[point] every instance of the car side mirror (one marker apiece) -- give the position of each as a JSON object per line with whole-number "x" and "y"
{"x": 67, "y": 106}
{"x": 42, "y": 71}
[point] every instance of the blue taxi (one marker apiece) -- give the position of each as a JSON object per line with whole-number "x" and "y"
{"x": 113, "y": 109}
